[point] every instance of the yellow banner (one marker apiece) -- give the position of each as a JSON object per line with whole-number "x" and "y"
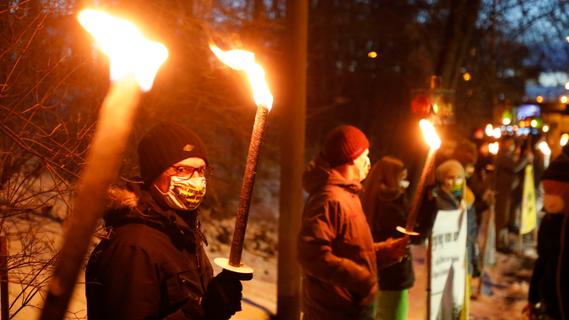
{"x": 529, "y": 211}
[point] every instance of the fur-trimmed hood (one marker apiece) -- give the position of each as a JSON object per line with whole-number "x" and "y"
{"x": 135, "y": 205}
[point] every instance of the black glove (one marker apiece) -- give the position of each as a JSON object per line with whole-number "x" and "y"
{"x": 222, "y": 298}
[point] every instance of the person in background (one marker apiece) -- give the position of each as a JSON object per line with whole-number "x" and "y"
{"x": 466, "y": 154}
{"x": 447, "y": 194}
{"x": 385, "y": 205}
{"x": 549, "y": 287}
{"x": 509, "y": 166}
{"x": 151, "y": 264}
{"x": 335, "y": 247}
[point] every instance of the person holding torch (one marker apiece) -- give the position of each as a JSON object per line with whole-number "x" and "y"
{"x": 151, "y": 264}
{"x": 335, "y": 246}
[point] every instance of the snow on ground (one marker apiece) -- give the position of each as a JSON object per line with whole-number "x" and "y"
{"x": 259, "y": 294}
{"x": 504, "y": 293}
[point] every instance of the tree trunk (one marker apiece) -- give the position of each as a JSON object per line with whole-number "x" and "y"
{"x": 458, "y": 33}
{"x": 292, "y": 159}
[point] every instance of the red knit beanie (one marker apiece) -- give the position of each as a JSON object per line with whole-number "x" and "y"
{"x": 344, "y": 144}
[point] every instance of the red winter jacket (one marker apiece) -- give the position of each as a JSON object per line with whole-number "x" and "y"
{"x": 335, "y": 248}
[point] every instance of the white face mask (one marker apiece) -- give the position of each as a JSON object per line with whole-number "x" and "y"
{"x": 184, "y": 194}
{"x": 363, "y": 165}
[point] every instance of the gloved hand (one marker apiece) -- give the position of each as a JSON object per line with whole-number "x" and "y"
{"x": 222, "y": 298}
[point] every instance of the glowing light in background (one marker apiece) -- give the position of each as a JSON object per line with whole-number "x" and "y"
{"x": 489, "y": 130}
{"x": 372, "y": 54}
{"x": 545, "y": 128}
{"x": 494, "y": 147}
{"x": 544, "y": 148}
{"x": 497, "y": 133}
{"x": 564, "y": 139}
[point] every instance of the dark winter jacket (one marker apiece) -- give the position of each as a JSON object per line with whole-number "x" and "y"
{"x": 390, "y": 212}
{"x": 435, "y": 199}
{"x": 550, "y": 281}
{"x": 152, "y": 266}
{"x": 335, "y": 248}
{"x": 507, "y": 180}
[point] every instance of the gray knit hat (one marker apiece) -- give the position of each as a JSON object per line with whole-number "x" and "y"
{"x": 447, "y": 167}
{"x": 165, "y": 145}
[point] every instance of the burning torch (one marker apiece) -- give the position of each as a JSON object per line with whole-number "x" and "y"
{"x": 241, "y": 60}
{"x": 434, "y": 142}
{"x": 134, "y": 62}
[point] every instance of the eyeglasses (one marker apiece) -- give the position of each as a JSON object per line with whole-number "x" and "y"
{"x": 455, "y": 181}
{"x": 186, "y": 172}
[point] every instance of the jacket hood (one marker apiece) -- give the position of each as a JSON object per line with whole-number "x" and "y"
{"x": 319, "y": 174}
{"x": 134, "y": 205}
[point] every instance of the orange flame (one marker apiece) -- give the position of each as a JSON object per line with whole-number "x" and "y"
{"x": 242, "y": 60}
{"x": 129, "y": 52}
{"x": 430, "y": 134}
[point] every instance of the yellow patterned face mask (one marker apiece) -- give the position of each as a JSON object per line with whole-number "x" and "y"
{"x": 184, "y": 194}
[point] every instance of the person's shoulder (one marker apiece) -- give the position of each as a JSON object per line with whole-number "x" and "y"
{"x": 140, "y": 235}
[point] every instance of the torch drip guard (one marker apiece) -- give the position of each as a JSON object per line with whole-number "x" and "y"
{"x": 407, "y": 232}
{"x": 243, "y": 271}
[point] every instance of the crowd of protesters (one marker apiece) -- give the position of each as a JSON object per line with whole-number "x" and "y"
{"x": 356, "y": 264}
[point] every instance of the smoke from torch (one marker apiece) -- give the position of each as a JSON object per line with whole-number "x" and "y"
{"x": 242, "y": 60}
{"x": 134, "y": 62}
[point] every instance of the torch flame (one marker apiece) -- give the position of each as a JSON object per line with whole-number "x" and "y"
{"x": 242, "y": 60}
{"x": 129, "y": 52}
{"x": 494, "y": 147}
{"x": 430, "y": 134}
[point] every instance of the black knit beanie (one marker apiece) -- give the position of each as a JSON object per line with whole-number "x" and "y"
{"x": 344, "y": 144}
{"x": 165, "y": 145}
